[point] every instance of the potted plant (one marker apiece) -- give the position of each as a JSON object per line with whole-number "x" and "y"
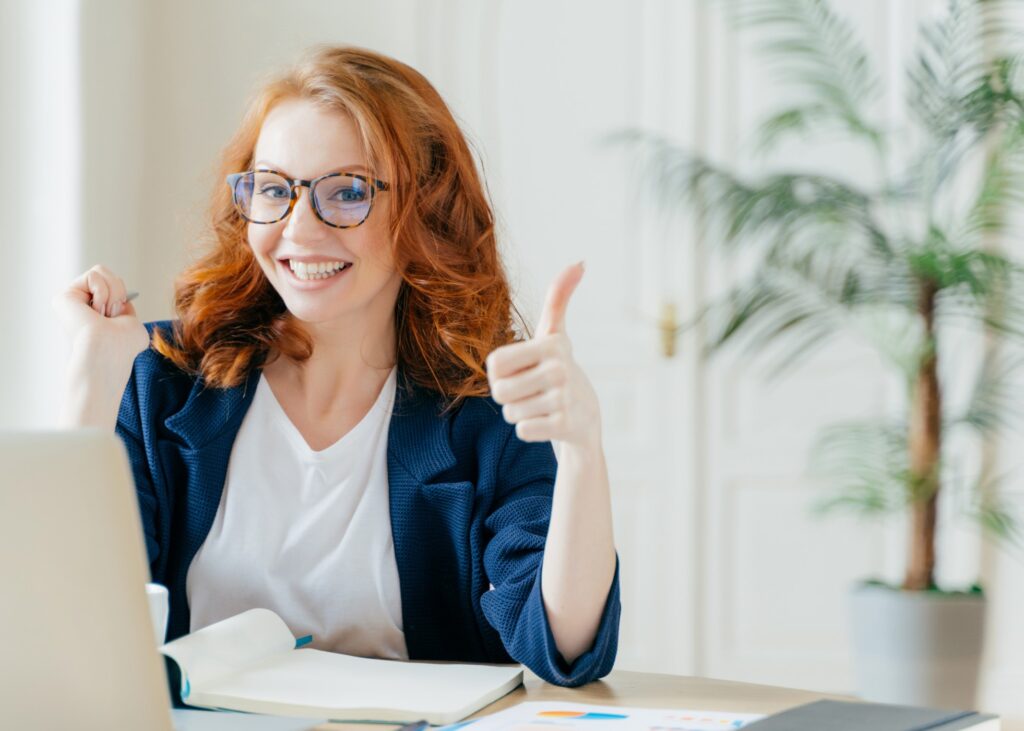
{"x": 913, "y": 263}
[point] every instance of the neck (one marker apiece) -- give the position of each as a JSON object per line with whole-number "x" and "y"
{"x": 351, "y": 361}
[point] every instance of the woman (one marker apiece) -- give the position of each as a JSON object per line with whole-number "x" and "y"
{"x": 340, "y": 425}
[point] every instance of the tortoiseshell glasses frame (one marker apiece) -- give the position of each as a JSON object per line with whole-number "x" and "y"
{"x": 360, "y": 208}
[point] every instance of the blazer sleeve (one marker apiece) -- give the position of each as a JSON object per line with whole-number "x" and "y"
{"x": 513, "y": 560}
{"x": 129, "y": 428}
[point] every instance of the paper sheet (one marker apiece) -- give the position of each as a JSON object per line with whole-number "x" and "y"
{"x": 541, "y": 716}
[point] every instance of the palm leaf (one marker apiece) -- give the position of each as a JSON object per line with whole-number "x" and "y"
{"x": 957, "y": 94}
{"x": 992, "y": 509}
{"x": 1001, "y": 189}
{"x": 748, "y": 211}
{"x": 866, "y": 467}
{"x": 817, "y": 50}
{"x": 985, "y": 287}
{"x": 767, "y": 320}
{"x": 992, "y": 406}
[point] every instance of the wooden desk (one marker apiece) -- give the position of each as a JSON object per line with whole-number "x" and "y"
{"x": 649, "y": 690}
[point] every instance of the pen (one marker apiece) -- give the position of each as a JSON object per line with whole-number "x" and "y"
{"x": 414, "y": 726}
{"x": 127, "y": 298}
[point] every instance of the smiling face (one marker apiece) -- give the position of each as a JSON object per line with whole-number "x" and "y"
{"x": 302, "y": 140}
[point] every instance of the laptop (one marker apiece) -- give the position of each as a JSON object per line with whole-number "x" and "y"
{"x": 75, "y": 630}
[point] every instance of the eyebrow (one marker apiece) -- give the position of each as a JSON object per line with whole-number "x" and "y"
{"x": 340, "y": 169}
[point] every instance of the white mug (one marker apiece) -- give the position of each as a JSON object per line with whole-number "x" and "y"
{"x": 158, "y": 610}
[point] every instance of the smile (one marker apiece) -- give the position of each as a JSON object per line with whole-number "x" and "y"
{"x": 318, "y": 270}
{"x": 314, "y": 271}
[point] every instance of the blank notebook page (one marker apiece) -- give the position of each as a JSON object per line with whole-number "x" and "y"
{"x": 318, "y": 679}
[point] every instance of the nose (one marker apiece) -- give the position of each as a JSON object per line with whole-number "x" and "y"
{"x": 302, "y": 223}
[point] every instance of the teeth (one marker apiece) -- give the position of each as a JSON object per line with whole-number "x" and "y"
{"x": 316, "y": 270}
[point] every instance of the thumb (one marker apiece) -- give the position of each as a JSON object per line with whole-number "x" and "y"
{"x": 552, "y": 317}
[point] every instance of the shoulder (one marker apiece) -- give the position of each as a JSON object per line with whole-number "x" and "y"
{"x": 150, "y": 360}
{"x": 166, "y": 327}
{"x": 179, "y": 403}
{"x": 427, "y": 410}
{"x": 478, "y": 421}
{"x": 154, "y": 376}
{"x": 479, "y": 427}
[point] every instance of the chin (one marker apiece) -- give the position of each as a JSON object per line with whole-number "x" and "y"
{"x": 317, "y": 315}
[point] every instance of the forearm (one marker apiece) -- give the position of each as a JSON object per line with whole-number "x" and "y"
{"x": 545, "y": 393}
{"x": 579, "y": 555}
{"x": 86, "y": 409}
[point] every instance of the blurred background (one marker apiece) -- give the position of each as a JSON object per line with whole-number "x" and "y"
{"x": 114, "y": 113}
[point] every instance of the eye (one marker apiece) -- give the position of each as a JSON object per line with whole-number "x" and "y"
{"x": 275, "y": 191}
{"x": 347, "y": 194}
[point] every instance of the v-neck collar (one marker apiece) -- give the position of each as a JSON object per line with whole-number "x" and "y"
{"x": 298, "y": 442}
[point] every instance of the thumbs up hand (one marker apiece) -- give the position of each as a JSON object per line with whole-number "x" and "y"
{"x": 540, "y": 387}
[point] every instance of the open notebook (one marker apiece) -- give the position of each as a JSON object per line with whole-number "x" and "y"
{"x": 252, "y": 662}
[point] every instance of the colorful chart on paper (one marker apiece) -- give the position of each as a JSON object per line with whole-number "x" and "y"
{"x": 540, "y": 716}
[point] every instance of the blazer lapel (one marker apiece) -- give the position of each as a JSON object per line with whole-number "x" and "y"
{"x": 430, "y": 523}
{"x": 208, "y": 411}
{"x": 201, "y": 435}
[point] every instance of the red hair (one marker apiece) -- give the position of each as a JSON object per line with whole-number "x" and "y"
{"x": 454, "y": 305}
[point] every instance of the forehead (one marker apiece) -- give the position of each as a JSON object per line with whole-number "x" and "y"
{"x": 305, "y": 140}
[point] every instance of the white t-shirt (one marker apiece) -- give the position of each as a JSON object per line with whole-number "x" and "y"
{"x": 306, "y": 533}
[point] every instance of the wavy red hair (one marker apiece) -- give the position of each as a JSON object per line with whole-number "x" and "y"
{"x": 454, "y": 305}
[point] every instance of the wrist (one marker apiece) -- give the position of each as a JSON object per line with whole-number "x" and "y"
{"x": 84, "y": 406}
{"x": 589, "y": 450}
{"x": 92, "y": 394}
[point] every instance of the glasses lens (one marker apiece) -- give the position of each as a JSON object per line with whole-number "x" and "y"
{"x": 262, "y": 197}
{"x": 343, "y": 200}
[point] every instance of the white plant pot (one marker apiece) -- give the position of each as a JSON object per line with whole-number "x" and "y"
{"x": 917, "y": 647}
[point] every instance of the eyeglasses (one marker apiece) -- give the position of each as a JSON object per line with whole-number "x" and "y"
{"x": 341, "y": 200}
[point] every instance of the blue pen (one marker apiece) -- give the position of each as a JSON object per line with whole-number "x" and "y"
{"x": 415, "y": 726}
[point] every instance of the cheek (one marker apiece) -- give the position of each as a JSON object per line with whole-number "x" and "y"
{"x": 376, "y": 247}
{"x": 380, "y": 256}
{"x": 262, "y": 240}
{"x": 376, "y": 240}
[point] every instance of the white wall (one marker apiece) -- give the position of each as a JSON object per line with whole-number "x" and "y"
{"x": 39, "y": 198}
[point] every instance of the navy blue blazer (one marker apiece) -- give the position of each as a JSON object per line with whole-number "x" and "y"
{"x": 470, "y": 505}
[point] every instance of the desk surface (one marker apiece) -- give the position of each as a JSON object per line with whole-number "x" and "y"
{"x": 649, "y": 690}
